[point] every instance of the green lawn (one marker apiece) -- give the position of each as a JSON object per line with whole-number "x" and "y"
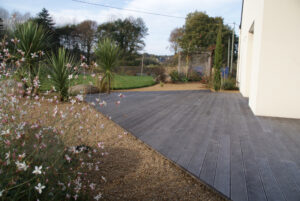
{"x": 131, "y": 82}
{"x": 120, "y": 82}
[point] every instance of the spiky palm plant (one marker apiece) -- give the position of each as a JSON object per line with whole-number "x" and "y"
{"x": 33, "y": 42}
{"x": 61, "y": 71}
{"x": 108, "y": 54}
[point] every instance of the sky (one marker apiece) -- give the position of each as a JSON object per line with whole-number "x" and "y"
{"x": 159, "y": 28}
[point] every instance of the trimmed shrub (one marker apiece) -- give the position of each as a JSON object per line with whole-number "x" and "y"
{"x": 178, "y": 77}
{"x": 229, "y": 84}
{"x": 160, "y": 74}
{"x": 218, "y": 60}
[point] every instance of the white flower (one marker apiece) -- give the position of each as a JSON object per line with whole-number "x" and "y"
{"x": 37, "y": 170}
{"x": 92, "y": 186}
{"x": 33, "y": 55}
{"x": 22, "y": 166}
{"x": 73, "y": 101}
{"x": 22, "y": 155}
{"x": 98, "y": 197}
{"x": 1, "y": 193}
{"x": 70, "y": 77}
{"x": 39, "y": 188}
{"x": 49, "y": 76}
{"x": 79, "y": 97}
{"x": 103, "y": 103}
{"x": 5, "y": 132}
{"x": 7, "y": 155}
{"x": 68, "y": 158}
{"x": 68, "y": 65}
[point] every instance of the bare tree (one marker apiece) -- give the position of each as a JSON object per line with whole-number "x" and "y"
{"x": 4, "y": 14}
{"x": 175, "y": 35}
{"x": 86, "y": 33}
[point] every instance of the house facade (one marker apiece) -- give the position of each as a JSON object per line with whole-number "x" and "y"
{"x": 269, "y": 57}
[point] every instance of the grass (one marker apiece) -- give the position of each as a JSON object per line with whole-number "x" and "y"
{"x": 120, "y": 82}
{"x": 131, "y": 82}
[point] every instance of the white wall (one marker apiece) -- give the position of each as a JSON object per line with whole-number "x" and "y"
{"x": 252, "y": 14}
{"x": 279, "y": 81}
{"x": 272, "y": 79}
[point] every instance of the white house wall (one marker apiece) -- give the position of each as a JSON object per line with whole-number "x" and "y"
{"x": 271, "y": 79}
{"x": 279, "y": 80}
{"x": 252, "y": 13}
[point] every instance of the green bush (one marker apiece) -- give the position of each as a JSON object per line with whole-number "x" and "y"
{"x": 218, "y": 60}
{"x": 229, "y": 84}
{"x": 160, "y": 73}
{"x": 178, "y": 77}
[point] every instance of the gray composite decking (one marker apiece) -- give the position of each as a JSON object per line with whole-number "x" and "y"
{"x": 216, "y": 137}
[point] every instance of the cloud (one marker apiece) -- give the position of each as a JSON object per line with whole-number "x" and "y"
{"x": 159, "y": 27}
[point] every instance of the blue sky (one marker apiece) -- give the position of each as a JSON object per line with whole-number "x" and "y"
{"x": 68, "y": 11}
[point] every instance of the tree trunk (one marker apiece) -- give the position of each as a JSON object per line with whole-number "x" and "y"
{"x": 108, "y": 88}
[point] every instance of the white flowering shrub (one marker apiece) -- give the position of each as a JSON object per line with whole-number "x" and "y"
{"x": 38, "y": 159}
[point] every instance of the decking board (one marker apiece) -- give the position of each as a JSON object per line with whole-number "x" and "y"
{"x": 215, "y": 137}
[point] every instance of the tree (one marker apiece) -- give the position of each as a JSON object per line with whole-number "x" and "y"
{"x": 43, "y": 18}
{"x": 4, "y": 16}
{"x": 174, "y": 38}
{"x": 107, "y": 53}
{"x": 128, "y": 34}
{"x": 86, "y": 34}
{"x": 200, "y": 33}
{"x": 218, "y": 60}
{"x": 69, "y": 39}
{"x": 11, "y": 20}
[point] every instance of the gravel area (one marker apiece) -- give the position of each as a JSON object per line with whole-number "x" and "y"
{"x": 172, "y": 87}
{"x": 131, "y": 170}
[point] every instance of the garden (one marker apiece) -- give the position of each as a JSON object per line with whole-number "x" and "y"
{"x": 54, "y": 146}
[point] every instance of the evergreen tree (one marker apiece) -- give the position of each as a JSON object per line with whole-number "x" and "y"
{"x": 43, "y": 18}
{"x": 218, "y": 60}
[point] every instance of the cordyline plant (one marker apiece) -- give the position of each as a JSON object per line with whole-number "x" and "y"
{"x": 61, "y": 71}
{"x": 31, "y": 44}
{"x": 108, "y": 54}
{"x": 38, "y": 161}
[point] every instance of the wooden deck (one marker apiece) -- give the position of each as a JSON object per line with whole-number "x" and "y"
{"x": 216, "y": 137}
